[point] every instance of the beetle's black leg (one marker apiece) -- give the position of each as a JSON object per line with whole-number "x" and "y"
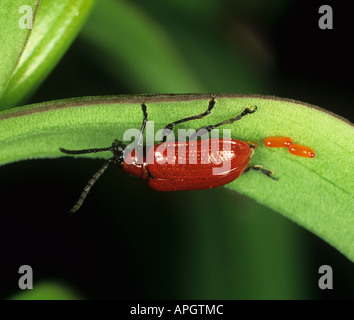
{"x": 89, "y": 185}
{"x": 209, "y": 128}
{"x": 85, "y": 150}
{"x": 143, "y": 125}
{"x": 267, "y": 172}
{"x": 196, "y": 117}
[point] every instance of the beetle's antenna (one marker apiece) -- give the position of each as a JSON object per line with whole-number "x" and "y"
{"x": 89, "y": 185}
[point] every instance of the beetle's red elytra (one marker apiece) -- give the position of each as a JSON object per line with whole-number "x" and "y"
{"x": 164, "y": 176}
{"x": 167, "y": 168}
{"x": 295, "y": 149}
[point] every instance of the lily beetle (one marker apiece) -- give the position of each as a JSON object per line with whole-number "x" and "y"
{"x": 171, "y": 175}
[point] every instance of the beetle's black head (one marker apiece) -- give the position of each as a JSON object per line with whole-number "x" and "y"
{"x": 118, "y": 152}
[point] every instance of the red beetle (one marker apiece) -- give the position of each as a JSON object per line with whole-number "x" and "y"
{"x": 171, "y": 168}
{"x": 189, "y": 176}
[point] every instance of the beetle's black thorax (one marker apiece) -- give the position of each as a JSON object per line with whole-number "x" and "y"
{"x": 118, "y": 152}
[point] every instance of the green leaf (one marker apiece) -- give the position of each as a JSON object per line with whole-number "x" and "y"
{"x": 56, "y": 26}
{"x": 143, "y": 55}
{"x": 13, "y": 37}
{"x": 316, "y": 193}
{"x": 48, "y": 290}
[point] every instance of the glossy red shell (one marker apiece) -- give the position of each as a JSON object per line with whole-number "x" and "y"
{"x": 134, "y": 166}
{"x": 203, "y": 164}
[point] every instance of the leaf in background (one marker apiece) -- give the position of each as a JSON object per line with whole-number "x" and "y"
{"x": 57, "y": 25}
{"x": 48, "y": 290}
{"x": 132, "y": 46}
{"x": 12, "y": 37}
{"x": 316, "y": 193}
{"x": 152, "y": 51}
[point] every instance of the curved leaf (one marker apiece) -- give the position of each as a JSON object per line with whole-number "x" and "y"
{"x": 48, "y": 290}
{"x": 139, "y": 51}
{"x": 57, "y": 24}
{"x": 13, "y": 37}
{"x": 316, "y": 193}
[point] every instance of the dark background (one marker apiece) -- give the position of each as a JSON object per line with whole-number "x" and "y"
{"x": 129, "y": 241}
